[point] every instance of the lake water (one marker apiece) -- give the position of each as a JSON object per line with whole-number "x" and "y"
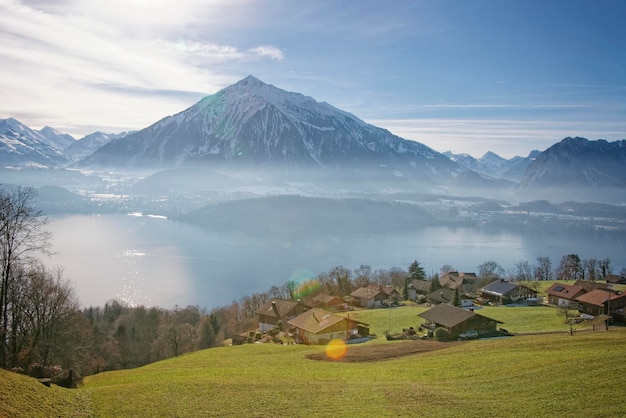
{"x": 159, "y": 262}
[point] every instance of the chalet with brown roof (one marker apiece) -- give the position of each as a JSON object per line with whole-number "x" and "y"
{"x": 370, "y": 297}
{"x": 457, "y": 320}
{"x": 418, "y": 287}
{"x": 330, "y": 301}
{"x": 445, "y": 295}
{"x": 464, "y": 281}
{"x": 601, "y": 302}
{"x": 317, "y": 326}
{"x": 392, "y": 294}
{"x": 278, "y": 310}
{"x": 503, "y": 292}
{"x": 615, "y": 279}
{"x": 589, "y": 285}
{"x": 561, "y": 294}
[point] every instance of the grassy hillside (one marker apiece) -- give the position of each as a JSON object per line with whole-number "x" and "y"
{"x": 535, "y": 375}
{"x": 22, "y": 396}
{"x": 556, "y": 375}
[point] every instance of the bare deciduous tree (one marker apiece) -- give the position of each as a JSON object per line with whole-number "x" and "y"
{"x": 22, "y": 235}
{"x": 543, "y": 269}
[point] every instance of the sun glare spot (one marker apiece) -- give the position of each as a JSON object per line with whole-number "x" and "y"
{"x": 336, "y": 349}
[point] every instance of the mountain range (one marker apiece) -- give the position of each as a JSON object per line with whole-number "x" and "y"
{"x": 492, "y": 165}
{"x": 252, "y": 125}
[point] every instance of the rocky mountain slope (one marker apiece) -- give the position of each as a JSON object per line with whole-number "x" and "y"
{"x": 578, "y": 168}
{"x": 253, "y": 124}
{"x": 22, "y": 146}
{"x": 493, "y": 165}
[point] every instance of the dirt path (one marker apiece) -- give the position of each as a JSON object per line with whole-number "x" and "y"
{"x": 378, "y": 352}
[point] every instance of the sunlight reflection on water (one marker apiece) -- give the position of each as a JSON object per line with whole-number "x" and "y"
{"x": 157, "y": 262}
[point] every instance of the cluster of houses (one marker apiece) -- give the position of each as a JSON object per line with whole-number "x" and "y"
{"x": 589, "y": 298}
{"x": 465, "y": 286}
{"x": 452, "y": 310}
{"x": 311, "y": 325}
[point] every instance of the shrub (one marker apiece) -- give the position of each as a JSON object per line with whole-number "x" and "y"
{"x": 442, "y": 334}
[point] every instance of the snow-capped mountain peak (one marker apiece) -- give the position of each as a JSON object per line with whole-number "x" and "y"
{"x": 252, "y": 123}
{"x": 22, "y": 146}
{"x": 56, "y": 139}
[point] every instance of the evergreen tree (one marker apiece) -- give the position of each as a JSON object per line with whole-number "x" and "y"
{"x": 455, "y": 299}
{"x": 416, "y": 272}
{"x": 435, "y": 284}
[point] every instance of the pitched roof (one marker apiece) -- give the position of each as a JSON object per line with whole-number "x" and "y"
{"x": 420, "y": 285}
{"x": 443, "y": 295}
{"x": 388, "y": 290}
{"x": 317, "y": 320}
{"x": 326, "y": 298}
{"x": 499, "y": 288}
{"x": 284, "y": 307}
{"x": 454, "y": 279}
{"x": 365, "y": 293}
{"x": 615, "y": 278}
{"x": 565, "y": 291}
{"x": 448, "y": 315}
{"x": 589, "y": 285}
{"x": 599, "y": 297}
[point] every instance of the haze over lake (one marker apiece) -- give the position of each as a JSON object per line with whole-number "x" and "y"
{"x": 151, "y": 261}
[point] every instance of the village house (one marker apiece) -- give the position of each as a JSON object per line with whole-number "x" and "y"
{"x": 466, "y": 282}
{"x": 589, "y": 285}
{"x": 392, "y": 294}
{"x": 373, "y": 296}
{"x": 317, "y": 326}
{"x": 615, "y": 279}
{"x": 445, "y": 295}
{"x": 418, "y": 287}
{"x": 278, "y": 310}
{"x": 329, "y": 301}
{"x": 457, "y": 320}
{"x": 561, "y": 294}
{"x": 504, "y": 292}
{"x": 601, "y": 302}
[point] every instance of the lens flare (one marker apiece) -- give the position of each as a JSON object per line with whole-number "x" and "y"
{"x": 336, "y": 349}
{"x": 304, "y": 284}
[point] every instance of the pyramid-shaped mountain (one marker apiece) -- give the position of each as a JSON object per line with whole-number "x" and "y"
{"x": 253, "y": 124}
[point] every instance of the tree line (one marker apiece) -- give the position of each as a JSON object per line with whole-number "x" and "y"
{"x": 44, "y": 332}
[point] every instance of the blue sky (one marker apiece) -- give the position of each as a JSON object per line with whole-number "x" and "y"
{"x": 467, "y": 76}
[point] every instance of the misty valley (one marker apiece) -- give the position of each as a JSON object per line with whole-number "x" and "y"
{"x": 254, "y": 185}
{"x": 187, "y": 241}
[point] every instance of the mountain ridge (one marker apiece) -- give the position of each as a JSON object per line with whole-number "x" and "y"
{"x": 253, "y": 123}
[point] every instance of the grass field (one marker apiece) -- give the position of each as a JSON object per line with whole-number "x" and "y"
{"x": 515, "y": 319}
{"x": 534, "y": 375}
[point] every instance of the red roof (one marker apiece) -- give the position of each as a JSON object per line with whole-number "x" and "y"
{"x": 599, "y": 297}
{"x": 565, "y": 291}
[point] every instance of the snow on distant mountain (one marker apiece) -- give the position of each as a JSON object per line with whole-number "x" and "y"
{"x": 56, "y": 139}
{"x": 22, "y": 146}
{"x": 493, "y": 165}
{"x": 252, "y": 124}
{"x": 517, "y": 166}
{"x": 577, "y": 168}
{"x": 88, "y": 144}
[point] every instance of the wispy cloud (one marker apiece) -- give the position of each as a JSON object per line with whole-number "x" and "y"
{"x": 94, "y": 61}
{"x": 268, "y": 51}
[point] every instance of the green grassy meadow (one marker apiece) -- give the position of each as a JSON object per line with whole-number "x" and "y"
{"x": 532, "y": 375}
{"x": 515, "y": 319}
